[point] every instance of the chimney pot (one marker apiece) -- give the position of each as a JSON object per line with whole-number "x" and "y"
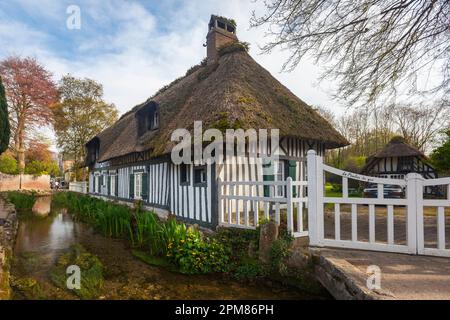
{"x": 221, "y": 31}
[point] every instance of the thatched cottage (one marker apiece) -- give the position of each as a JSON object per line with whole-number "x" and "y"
{"x": 131, "y": 160}
{"x": 397, "y": 159}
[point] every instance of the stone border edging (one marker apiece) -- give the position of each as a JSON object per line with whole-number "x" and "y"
{"x": 343, "y": 280}
{"x": 8, "y": 232}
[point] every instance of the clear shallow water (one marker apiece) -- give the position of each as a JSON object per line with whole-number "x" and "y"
{"x": 41, "y": 240}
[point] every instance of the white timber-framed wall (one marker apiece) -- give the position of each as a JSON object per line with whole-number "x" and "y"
{"x": 191, "y": 201}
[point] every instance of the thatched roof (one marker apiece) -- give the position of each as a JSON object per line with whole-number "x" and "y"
{"x": 397, "y": 147}
{"x": 235, "y": 92}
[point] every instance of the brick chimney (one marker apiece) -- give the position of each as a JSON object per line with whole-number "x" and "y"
{"x": 221, "y": 31}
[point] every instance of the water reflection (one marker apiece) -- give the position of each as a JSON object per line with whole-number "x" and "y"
{"x": 48, "y": 236}
{"x": 42, "y": 205}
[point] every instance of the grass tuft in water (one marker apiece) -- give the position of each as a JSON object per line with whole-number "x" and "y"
{"x": 91, "y": 272}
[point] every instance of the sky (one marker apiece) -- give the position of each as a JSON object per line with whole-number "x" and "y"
{"x": 133, "y": 48}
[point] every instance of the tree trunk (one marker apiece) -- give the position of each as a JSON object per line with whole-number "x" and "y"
{"x": 20, "y": 145}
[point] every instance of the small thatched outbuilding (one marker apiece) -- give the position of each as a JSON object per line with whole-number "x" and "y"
{"x": 131, "y": 160}
{"x": 397, "y": 159}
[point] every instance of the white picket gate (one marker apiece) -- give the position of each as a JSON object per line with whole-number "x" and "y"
{"x": 412, "y": 205}
{"x": 305, "y": 212}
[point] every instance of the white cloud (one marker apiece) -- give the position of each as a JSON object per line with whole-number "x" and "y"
{"x": 137, "y": 56}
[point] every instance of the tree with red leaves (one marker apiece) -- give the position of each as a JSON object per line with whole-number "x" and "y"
{"x": 30, "y": 92}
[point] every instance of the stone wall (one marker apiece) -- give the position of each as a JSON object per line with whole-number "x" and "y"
{"x": 8, "y": 231}
{"x": 24, "y": 182}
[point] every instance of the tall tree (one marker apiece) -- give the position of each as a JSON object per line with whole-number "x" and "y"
{"x": 81, "y": 114}
{"x": 30, "y": 92}
{"x": 420, "y": 124}
{"x": 39, "y": 150}
{"x": 441, "y": 155}
{"x": 369, "y": 46}
{"x": 4, "y": 121}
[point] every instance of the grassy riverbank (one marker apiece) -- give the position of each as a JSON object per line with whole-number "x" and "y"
{"x": 183, "y": 247}
{"x": 21, "y": 200}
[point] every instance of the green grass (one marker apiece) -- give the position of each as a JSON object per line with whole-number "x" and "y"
{"x": 152, "y": 260}
{"x": 21, "y": 200}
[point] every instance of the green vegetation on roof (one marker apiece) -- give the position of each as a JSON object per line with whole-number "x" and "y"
{"x": 228, "y": 21}
{"x": 234, "y": 47}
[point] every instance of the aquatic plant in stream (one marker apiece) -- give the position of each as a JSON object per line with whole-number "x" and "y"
{"x": 113, "y": 220}
{"x": 148, "y": 231}
{"x": 91, "y": 272}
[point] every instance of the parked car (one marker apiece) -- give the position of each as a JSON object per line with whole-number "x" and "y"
{"x": 391, "y": 191}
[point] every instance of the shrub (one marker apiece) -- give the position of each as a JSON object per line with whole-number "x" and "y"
{"x": 42, "y": 167}
{"x": 279, "y": 251}
{"x": 195, "y": 255}
{"x": 8, "y": 164}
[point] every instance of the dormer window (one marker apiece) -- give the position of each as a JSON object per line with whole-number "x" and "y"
{"x": 148, "y": 118}
{"x": 93, "y": 150}
{"x": 154, "y": 121}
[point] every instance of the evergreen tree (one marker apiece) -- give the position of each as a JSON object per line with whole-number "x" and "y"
{"x": 4, "y": 121}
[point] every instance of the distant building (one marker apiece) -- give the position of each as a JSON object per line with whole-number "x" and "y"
{"x": 396, "y": 160}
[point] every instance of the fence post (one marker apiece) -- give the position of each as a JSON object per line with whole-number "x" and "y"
{"x": 312, "y": 198}
{"x": 414, "y": 197}
{"x": 290, "y": 215}
{"x": 219, "y": 200}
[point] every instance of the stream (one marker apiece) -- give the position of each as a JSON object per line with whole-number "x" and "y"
{"x": 40, "y": 240}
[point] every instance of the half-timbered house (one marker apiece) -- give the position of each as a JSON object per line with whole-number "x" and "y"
{"x": 397, "y": 159}
{"x": 131, "y": 160}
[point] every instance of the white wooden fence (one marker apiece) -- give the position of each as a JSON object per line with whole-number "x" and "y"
{"x": 80, "y": 187}
{"x": 245, "y": 209}
{"x": 240, "y": 205}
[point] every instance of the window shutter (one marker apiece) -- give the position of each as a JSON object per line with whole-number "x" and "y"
{"x": 145, "y": 187}
{"x": 292, "y": 172}
{"x": 267, "y": 177}
{"x": 131, "y": 186}
{"x": 109, "y": 185}
{"x": 117, "y": 186}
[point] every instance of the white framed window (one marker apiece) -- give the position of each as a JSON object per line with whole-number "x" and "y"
{"x": 138, "y": 185}
{"x": 95, "y": 184}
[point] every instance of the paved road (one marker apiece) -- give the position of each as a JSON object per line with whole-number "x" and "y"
{"x": 403, "y": 276}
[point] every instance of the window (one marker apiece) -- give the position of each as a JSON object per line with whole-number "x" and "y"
{"x": 184, "y": 174}
{"x": 200, "y": 175}
{"x": 279, "y": 176}
{"x": 112, "y": 186}
{"x": 138, "y": 186}
{"x": 148, "y": 118}
{"x": 155, "y": 122}
{"x": 96, "y": 187}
